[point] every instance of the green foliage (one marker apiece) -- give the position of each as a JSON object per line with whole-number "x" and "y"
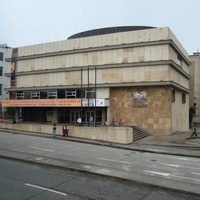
{"x": 10, "y": 111}
{"x": 192, "y": 112}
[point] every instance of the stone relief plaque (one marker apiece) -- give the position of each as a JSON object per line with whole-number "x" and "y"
{"x": 140, "y": 99}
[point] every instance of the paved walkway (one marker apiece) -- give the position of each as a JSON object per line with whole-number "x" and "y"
{"x": 178, "y": 143}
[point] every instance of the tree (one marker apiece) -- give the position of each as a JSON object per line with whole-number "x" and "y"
{"x": 192, "y": 112}
{"x": 10, "y": 111}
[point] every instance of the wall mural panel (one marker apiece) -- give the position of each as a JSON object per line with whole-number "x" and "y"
{"x": 140, "y": 99}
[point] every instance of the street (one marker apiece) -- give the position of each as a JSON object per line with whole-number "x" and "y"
{"x": 20, "y": 181}
{"x": 172, "y": 172}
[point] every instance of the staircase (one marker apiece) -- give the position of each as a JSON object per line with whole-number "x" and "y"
{"x": 139, "y": 133}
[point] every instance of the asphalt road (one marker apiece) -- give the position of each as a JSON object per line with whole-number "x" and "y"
{"x": 21, "y": 181}
{"x": 173, "y": 172}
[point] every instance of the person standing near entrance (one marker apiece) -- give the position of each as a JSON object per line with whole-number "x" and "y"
{"x": 79, "y": 121}
{"x": 64, "y": 130}
{"x": 54, "y": 129}
{"x": 113, "y": 122}
{"x": 91, "y": 120}
{"x": 120, "y": 122}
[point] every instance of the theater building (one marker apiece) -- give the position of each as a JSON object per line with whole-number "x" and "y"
{"x": 137, "y": 74}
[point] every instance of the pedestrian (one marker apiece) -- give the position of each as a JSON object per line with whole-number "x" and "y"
{"x": 120, "y": 122}
{"x": 113, "y": 122}
{"x": 54, "y": 129}
{"x": 79, "y": 121}
{"x": 64, "y": 130}
{"x": 67, "y": 131}
{"x": 194, "y": 132}
{"x": 91, "y": 120}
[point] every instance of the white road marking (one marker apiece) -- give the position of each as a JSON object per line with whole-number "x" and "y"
{"x": 167, "y": 174}
{"x": 158, "y": 173}
{"x": 179, "y": 158}
{"x": 103, "y": 171}
{"x": 115, "y": 161}
{"x": 42, "y": 149}
{"x": 186, "y": 178}
{"x": 87, "y": 166}
{"x": 171, "y": 165}
{"x": 39, "y": 158}
{"x": 42, "y": 188}
{"x": 196, "y": 173}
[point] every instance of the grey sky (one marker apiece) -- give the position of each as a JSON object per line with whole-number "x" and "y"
{"x": 26, "y": 22}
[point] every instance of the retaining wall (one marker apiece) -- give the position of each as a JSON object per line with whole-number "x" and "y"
{"x": 123, "y": 135}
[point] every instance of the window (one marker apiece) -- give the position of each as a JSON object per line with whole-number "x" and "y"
{"x": 61, "y": 93}
{"x": 90, "y": 94}
{"x": 179, "y": 60}
{"x": 27, "y": 95}
{"x": 183, "y": 98}
{"x": 43, "y": 94}
{"x": 0, "y": 89}
{"x": 20, "y": 95}
{"x": 35, "y": 95}
{"x": 80, "y": 94}
{"x": 70, "y": 94}
{"x": 52, "y": 94}
{"x": 1, "y": 71}
{"x": 173, "y": 95}
{"x": 1, "y": 56}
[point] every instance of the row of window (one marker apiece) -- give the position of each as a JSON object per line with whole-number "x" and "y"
{"x": 54, "y": 94}
{"x": 1, "y": 56}
{"x": 183, "y": 97}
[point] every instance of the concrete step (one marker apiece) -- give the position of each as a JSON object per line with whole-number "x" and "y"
{"x": 139, "y": 133}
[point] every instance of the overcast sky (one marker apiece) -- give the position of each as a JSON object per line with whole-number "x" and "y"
{"x": 26, "y": 22}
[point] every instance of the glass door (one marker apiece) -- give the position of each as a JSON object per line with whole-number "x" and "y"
{"x": 74, "y": 116}
{"x": 90, "y": 117}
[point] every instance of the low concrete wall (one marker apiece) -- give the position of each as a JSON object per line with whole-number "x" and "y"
{"x": 123, "y": 135}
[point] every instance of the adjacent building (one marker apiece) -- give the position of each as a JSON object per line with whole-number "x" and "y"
{"x": 138, "y": 74}
{"x": 195, "y": 83}
{"x": 3, "y": 79}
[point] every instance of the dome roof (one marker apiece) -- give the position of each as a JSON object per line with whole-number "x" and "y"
{"x": 108, "y": 30}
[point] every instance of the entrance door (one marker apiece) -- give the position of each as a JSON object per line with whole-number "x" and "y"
{"x": 89, "y": 114}
{"x": 74, "y": 116}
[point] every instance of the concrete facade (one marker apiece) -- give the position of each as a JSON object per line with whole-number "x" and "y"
{"x": 195, "y": 95}
{"x": 143, "y": 76}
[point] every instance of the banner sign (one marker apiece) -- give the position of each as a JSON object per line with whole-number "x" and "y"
{"x": 99, "y": 102}
{"x": 53, "y": 103}
{"x": 13, "y": 67}
{"x": 42, "y": 103}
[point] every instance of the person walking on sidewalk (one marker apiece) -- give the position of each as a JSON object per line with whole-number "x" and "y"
{"x": 194, "y": 132}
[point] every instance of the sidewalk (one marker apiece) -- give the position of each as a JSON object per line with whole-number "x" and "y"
{"x": 179, "y": 143}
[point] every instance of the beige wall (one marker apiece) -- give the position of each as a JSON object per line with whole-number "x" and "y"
{"x": 155, "y": 118}
{"x": 180, "y": 113}
{"x": 196, "y": 59}
{"x": 122, "y": 135}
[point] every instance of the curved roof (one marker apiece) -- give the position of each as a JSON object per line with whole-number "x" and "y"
{"x": 108, "y": 30}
